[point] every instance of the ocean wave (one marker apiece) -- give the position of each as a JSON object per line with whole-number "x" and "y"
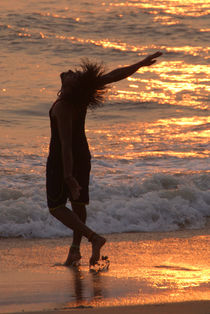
{"x": 154, "y": 121}
{"x": 160, "y": 202}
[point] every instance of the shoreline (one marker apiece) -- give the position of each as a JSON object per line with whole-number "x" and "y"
{"x": 198, "y": 307}
{"x": 167, "y": 270}
{"x": 144, "y": 234}
{"x": 193, "y": 307}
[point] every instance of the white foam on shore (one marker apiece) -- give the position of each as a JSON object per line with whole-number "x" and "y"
{"x": 119, "y": 203}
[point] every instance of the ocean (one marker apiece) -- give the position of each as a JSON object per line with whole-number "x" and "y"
{"x": 150, "y": 140}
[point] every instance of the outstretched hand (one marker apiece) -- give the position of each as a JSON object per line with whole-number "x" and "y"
{"x": 150, "y": 59}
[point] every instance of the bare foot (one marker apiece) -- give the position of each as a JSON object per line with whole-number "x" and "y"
{"x": 73, "y": 257}
{"x": 97, "y": 243}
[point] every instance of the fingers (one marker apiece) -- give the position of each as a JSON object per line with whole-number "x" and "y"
{"x": 74, "y": 188}
{"x": 75, "y": 184}
{"x": 156, "y": 55}
{"x": 149, "y": 60}
{"x": 79, "y": 187}
{"x": 152, "y": 62}
{"x": 75, "y": 194}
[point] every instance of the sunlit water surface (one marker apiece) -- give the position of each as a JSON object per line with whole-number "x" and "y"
{"x": 150, "y": 141}
{"x": 143, "y": 270}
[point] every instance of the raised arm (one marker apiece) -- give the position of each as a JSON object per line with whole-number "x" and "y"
{"x": 122, "y": 73}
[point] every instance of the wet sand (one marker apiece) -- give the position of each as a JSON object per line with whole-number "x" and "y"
{"x": 149, "y": 272}
{"x": 172, "y": 308}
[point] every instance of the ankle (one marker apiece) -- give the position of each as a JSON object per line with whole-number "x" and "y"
{"x": 75, "y": 247}
{"x": 92, "y": 237}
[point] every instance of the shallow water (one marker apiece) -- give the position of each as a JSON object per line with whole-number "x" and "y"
{"x": 144, "y": 269}
{"x": 150, "y": 141}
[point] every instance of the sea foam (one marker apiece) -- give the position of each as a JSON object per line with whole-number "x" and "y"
{"x": 159, "y": 202}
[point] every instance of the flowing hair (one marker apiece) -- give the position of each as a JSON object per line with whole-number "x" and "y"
{"x": 87, "y": 88}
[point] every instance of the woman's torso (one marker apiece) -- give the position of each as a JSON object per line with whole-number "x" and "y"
{"x": 80, "y": 148}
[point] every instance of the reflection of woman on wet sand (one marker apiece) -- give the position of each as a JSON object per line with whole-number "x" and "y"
{"x": 68, "y": 164}
{"x": 94, "y": 286}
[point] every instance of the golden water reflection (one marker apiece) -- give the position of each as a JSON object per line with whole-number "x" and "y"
{"x": 175, "y": 137}
{"x": 150, "y": 271}
{"x": 118, "y": 44}
{"x": 174, "y": 82}
{"x": 165, "y": 20}
{"x": 145, "y": 268}
{"x": 123, "y": 46}
{"x": 166, "y": 270}
{"x": 178, "y": 7}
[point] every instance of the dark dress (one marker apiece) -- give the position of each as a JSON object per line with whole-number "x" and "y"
{"x": 57, "y": 190}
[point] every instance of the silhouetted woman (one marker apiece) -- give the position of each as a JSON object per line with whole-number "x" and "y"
{"x": 69, "y": 160}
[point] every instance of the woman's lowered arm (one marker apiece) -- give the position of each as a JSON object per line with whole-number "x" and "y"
{"x": 122, "y": 73}
{"x": 64, "y": 122}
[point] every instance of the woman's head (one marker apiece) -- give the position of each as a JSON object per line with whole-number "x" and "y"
{"x": 67, "y": 79}
{"x": 83, "y": 87}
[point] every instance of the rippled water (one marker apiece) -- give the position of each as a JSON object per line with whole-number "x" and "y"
{"x": 150, "y": 141}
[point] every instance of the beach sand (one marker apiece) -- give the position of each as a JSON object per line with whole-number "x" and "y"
{"x": 202, "y": 307}
{"x": 149, "y": 273}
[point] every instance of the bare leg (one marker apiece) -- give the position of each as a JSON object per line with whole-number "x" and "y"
{"x": 74, "y": 252}
{"x": 71, "y": 220}
{"x": 97, "y": 243}
{"x": 80, "y": 210}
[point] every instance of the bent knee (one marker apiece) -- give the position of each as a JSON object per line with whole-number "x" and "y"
{"x": 78, "y": 206}
{"x": 52, "y": 210}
